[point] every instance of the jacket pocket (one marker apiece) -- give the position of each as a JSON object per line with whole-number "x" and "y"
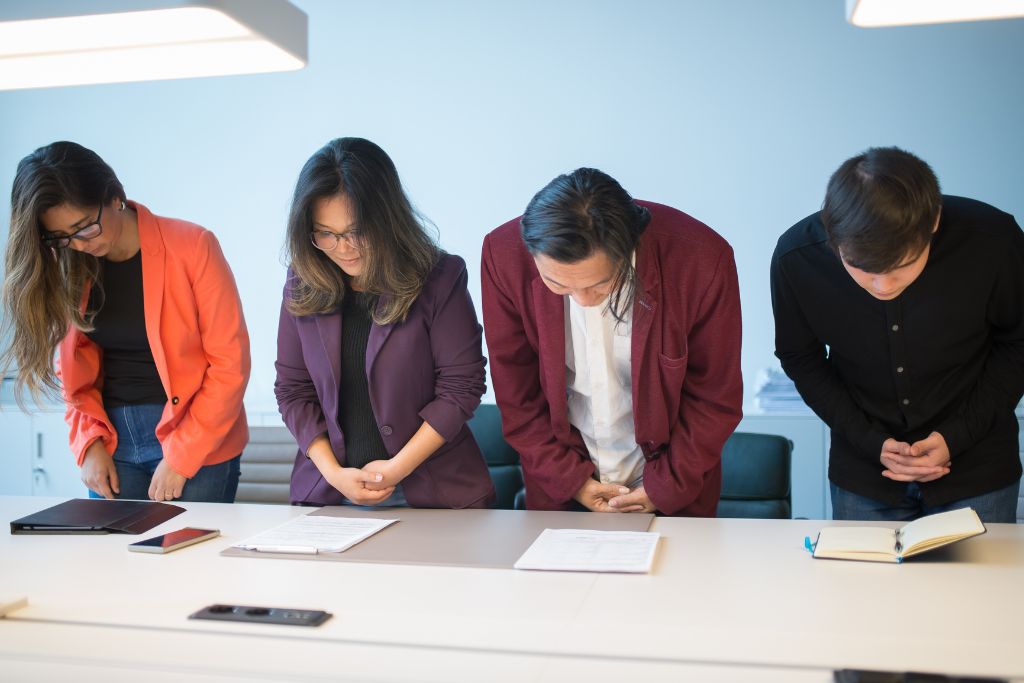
{"x": 672, "y": 364}
{"x": 673, "y": 375}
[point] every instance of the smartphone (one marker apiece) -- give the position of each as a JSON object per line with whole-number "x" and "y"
{"x": 174, "y": 540}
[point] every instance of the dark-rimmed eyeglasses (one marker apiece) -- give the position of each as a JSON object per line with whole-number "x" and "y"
{"x": 88, "y": 232}
{"x": 325, "y": 240}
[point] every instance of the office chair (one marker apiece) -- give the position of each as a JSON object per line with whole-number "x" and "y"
{"x": 756, "y": 476}
{"x": 502, "y": 459}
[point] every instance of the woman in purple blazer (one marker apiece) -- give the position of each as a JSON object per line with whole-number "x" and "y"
{"x": 379, "y": 360}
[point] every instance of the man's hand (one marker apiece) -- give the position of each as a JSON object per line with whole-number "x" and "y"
{"x": 166, "y": 484}
{"x": 594, "y": 495}
{"x": 351, "y": 482}
{"x": 634, "y": 501}
{"x": 922, "y": 461}
{"x": 391, "y": 471}
{"x": 98, "y": 471}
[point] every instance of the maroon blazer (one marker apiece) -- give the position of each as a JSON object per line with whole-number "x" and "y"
{"x": 687, "y": 386}
{"x": 429, "y": 367}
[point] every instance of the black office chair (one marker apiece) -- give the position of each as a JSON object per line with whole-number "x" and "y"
{"x": 502, "y": 459}
{"x": 756, "y": 477}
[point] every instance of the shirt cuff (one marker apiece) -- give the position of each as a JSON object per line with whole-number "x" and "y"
{"x": 958, "y": 439}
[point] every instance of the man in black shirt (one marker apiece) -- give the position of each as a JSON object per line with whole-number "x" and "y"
{"x": 899, "y": 315}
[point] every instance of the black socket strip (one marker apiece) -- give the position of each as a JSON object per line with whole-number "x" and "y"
{"x": 263, "y": 615}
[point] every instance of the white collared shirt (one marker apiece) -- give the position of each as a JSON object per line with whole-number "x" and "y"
{"x": 600, "y": 390}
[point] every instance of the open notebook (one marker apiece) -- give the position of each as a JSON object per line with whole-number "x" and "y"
{"x": 882, "y": 544}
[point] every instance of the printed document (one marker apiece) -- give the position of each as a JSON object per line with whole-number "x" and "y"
{"x": 582, "y": 550}
{"x": 319, "y": 534}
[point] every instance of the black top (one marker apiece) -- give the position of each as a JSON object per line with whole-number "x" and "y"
{"x": 129, "y": 373}
{"x": 355, "y": 413}
{"x": 946, "y": 355}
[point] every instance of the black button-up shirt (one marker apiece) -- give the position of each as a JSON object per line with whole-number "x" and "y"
{"x": 946, "y": 355}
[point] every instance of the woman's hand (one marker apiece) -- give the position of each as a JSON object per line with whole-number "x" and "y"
{"x": 392, "y": 473}
{"x": 166, "y": 484}
{"x": 353, "y": 484}
{"x": 99, "y": 472}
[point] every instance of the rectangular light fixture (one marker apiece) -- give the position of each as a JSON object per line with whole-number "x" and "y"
{"x": 44, "y": 43}
{"x": 876, "y": 13}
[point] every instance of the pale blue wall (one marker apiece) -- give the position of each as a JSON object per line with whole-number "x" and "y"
{"x": 735, "y": 111}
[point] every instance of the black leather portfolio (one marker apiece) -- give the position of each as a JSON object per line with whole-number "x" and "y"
{"x": 97, "y": 516}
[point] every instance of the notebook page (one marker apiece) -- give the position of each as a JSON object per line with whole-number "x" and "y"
{"x": 944, "y": 525}
{"x": 856, "y": 539}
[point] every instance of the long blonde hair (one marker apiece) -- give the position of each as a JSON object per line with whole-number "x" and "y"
{"x": 399, "y": 253}
{"x": 43, "y": 287}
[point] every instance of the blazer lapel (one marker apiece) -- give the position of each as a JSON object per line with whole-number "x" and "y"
{"x": 329, "y": 329}
{"x": 550, "y": 309}
{"x": 378, "y": 335}
{"x": 645, "y": 303}
{"x": 151, "y": 244}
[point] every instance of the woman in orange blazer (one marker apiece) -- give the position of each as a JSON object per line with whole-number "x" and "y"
{"x": 153, "y": 348}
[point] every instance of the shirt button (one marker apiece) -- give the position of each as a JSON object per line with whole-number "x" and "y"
{"x": 899, "y": 369}
{"x": 174, "y": 401}
{"x": 895, "y": 328}
{"x": 906, "y": 401}
{"x": 386, "y": 430}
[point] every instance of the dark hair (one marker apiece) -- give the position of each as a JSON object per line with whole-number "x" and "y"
{"x": 580, "y": 213}
{"x": 398, "y": 253}
{"x": 880, "y": 208}
{"x": 43, "y": 287}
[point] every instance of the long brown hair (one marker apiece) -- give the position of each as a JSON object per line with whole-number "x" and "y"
{"x": 43, "y": 287}
{"x": 398, "y": 253}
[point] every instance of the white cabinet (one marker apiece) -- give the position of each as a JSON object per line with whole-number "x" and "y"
{"x": 16, "y": 454}
{"x": 54, "y": 470}
{"x": 35, "y": 458}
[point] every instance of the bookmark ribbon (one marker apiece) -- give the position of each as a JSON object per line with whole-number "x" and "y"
{"x": 808, "y": 545}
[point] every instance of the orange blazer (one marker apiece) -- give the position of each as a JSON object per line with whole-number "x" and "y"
{"x": 200, "y": 345}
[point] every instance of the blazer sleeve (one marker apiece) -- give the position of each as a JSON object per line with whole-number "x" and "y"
{"x": 525, "y": 415}
{"x": 225, "y": 340}
{"x": 296, "y": 395}
{"x": 712, "y": 396}
{"x": 78, "y": 369}
{"x": 456, "y": 345}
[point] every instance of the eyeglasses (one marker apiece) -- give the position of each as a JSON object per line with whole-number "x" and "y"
{"x": 325, "y": 240}
{"x": 90, "y": 231}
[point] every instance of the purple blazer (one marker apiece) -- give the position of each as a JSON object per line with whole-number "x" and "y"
{"x": 429, "y": 367}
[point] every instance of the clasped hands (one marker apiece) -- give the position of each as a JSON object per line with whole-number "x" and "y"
{"x": 598, "y": 497}
{"x": 924, "y": 460}
{"x": 372, "y": 484}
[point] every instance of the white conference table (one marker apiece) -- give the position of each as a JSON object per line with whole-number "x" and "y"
{"x": 727, "y": 600}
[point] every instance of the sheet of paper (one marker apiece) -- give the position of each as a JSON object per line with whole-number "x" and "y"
{"x": 318, "y": 534}
{"x": 582, "y": 550}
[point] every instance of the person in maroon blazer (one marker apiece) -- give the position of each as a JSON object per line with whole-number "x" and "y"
{"x": 613, "y": 328}
{"x": 379, "y": 361}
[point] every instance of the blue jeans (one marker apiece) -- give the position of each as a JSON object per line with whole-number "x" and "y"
{"x": 997, "y": 506}
{"x": 138, "y": 454}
